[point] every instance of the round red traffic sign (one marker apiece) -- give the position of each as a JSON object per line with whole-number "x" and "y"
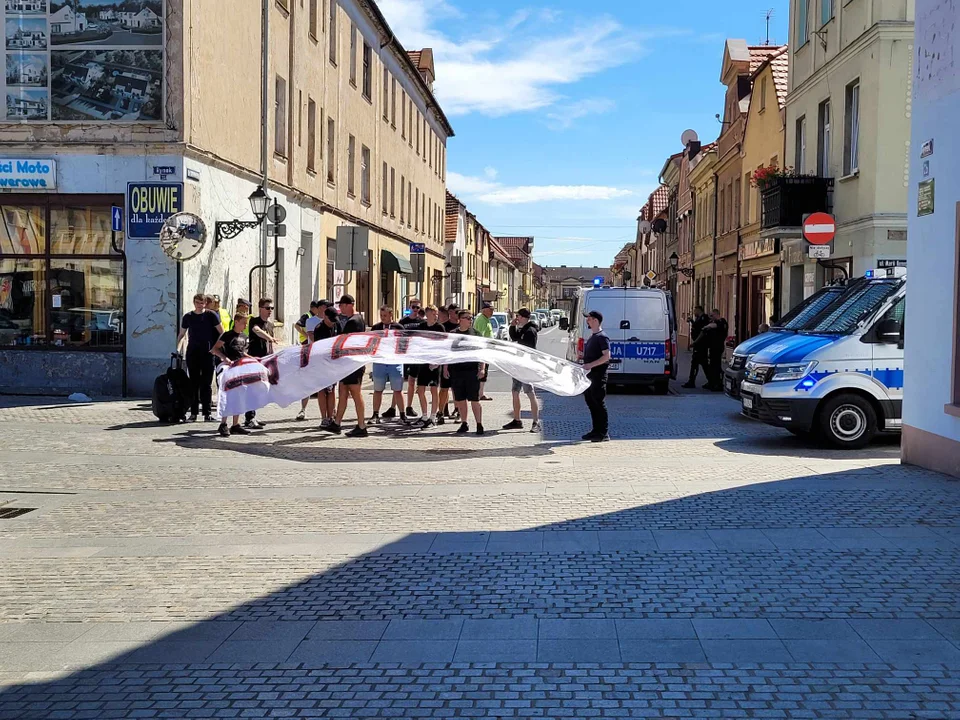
{"x": 819, "y": 228}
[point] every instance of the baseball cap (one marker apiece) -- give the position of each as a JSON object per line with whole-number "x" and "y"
{"x": 598, "y": 316}
{"x": 524, "y": 313}
{"x": 487, "y": 306}
{"x": 324, "y": 303}
{"x": 347, "y": 300}
{"x": 314, "y": 303}
{"x": 241, "y": 301}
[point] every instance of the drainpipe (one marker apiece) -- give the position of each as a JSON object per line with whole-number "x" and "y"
{"x": 716, "y": 226}
{"x": 264, "y": 138}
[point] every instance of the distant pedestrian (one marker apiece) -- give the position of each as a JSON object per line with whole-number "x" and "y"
{"x": 231, "y": 347}
{"x": 484, "y": 329}
{"x": 429, "y": 376}
{"x": 384, "y": 374}
{"x": 524, "y": 331}
{"x": 596, "y": 361}
{"x": 261, "y": 344}
{"x": 350, "y": 386}
{"x": 716, "y": 332}
{"x": 411, "y": 321}
{"x": 700, "y": 346}
{"x": 465, "y": 380}
{"x": 213, "y": 304}
{"x": 202, "y": 329}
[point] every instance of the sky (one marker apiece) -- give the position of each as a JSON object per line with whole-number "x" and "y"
{"x": 565, "y": 112}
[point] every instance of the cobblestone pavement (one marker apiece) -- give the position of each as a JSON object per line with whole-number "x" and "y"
{"x": 697, "y": 566}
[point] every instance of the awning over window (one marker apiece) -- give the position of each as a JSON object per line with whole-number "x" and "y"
{"x": 391, "y": 262}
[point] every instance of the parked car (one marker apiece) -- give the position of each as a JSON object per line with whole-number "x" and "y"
{"x": 502, "y": 333}
{"x": 547, "y": 317}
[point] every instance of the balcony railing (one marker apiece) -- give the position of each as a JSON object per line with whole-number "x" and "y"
{"x": 787, "y": 200}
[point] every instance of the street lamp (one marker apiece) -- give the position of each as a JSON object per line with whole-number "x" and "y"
{"x": 228, "y": 229}
{"x": 675, "y": 266}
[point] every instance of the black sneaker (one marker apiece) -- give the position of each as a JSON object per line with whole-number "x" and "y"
{"x": 411, "y": 413}
{"x": 389, "y": 414}
{"x": 375, "y": 420}
{"x": 589, "y": 436}
{"x": 440, "y": 419}
{"x": 238, "y": 430}
{"x": 192, "y": 418}
{"x": 689, "y": 386}
{"x": 428, "y": 423}
{"x": 463, "y": 429}
{"x": 358, "y": 432}
{"x": 479, "y": 429}
{"x": 223, "y": 430}
{"x": 513, "y": 425}
{"x": 254, "y": 424}
{"x": 209, "y": 418}
{"x": 600, "y": 438}
{"x": 332, "y": 428}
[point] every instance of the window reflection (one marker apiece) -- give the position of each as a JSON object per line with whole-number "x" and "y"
{"x": 23, "y": 231}
{"x": 82, "y": 231}
{"x": 22, "y": 302}
{"x": 87, "y": 303}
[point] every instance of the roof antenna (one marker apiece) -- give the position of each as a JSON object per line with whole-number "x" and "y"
{"x": 769, "y": 15}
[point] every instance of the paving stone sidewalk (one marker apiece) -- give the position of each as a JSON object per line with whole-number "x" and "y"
{"x": 697, "y": 566}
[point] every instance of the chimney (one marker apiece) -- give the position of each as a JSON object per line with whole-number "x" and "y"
{"x": 424, "y": 62}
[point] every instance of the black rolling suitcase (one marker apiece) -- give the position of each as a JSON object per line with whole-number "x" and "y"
{"x": 171, "y": 392}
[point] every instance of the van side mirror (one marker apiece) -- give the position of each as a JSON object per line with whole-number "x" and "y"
{"x": 889, "y": 331}
{"x": 564, "y": 323}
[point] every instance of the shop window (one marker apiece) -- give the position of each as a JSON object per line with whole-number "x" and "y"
{"x": 61, "y": 275}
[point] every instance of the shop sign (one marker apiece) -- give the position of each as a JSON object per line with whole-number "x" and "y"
{"x": 149, "y": 205}
{"x": 925, "y": 197}
{"x": 758, "y": 248}
{"x": 28, "y": 174}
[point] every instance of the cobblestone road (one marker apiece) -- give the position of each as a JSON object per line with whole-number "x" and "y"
{"x": 697, "y": 566}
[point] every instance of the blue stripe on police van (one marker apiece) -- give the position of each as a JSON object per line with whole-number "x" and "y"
{"x": 891, "y": 378}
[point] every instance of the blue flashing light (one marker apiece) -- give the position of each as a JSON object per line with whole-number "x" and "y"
{"x": 870, "y": 274}
{"x": 598, "y": 281}
{"x": 808, "y": 383}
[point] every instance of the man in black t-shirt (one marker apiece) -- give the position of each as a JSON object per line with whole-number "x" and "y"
{"x": 261, "y": 345}
{"x": 465, "y": 379}
{"x": 451, "y": 324}
{"x": 350, "y": 322}
{"x": 202, "y": 329}
{"x": 596, "y": 361}
{"x": 412, "y": 321}
{"x": 326, "y": 328}
{"x": 429, "y": 376}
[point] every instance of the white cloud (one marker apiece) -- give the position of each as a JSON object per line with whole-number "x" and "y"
{"x": 490, "y": 173}
{"x": 562, "y": 117}
{"x": 513, "y": 67}
{"x": 465, "y": 185}
{"x": 545, "y": 193}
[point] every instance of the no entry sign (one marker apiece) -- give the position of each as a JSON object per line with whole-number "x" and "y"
{"x": 819, "y": 228}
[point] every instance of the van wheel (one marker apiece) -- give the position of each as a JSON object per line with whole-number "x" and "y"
{"x": 848, "y": 422}
{"x": 662, "y": 387}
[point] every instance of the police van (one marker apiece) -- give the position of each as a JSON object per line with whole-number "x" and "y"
{"x": 641, "y": 325}
{"x": 842, "y": 379}
{"x": 799, "y": 318}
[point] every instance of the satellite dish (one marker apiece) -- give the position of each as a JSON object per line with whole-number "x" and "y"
{"x": 659, "y": 226}
{"x": 183, "y": 236}
{"x": 689, "y": 136}
{"x": 644, "y": 226}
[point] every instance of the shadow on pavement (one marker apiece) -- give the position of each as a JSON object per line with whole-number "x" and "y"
{"x": 358, "y": 638}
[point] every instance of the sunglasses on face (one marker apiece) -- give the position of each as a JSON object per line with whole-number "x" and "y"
{"x": 268, "y": 307}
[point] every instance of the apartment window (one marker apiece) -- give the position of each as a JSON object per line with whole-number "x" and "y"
{"x": 403, "y": 192}
{"x": 353, "y": 54}
{"x": 851, "y": 129}
{"x": 403, "y": 115}
{"x": 351, "y": 165}
{"x": 393, "y": 103}
{"x": 331, "y": 266}
{"x": 800, "y": 147}
{"x": 280, "y": 116}
{"x": 311, "y": 135}
{"x": 386, "y": 95}
{"x": 313, "y": 19}
{"x": 746, "y": 200}
{"x": 826, "y": 11}
{"x": 416, "y": 211}
{"x": 331, "y": 153}
{"x": 418, "y": 132}
{"x": 823, "y": 139}
{"x": 383, "y": 193}
{"x": 423, "y": 213}
{"x": 367, "y": 72}
{"x": 365, "y": 175}
{"x": 425, "y": 129}
{"x": 333, "y": 31}
{"x": 433, "y": 147}
{"x": 803, "y": 14}
{"x": 410, "y": 124}
{"x": 393, "y": 192}
{"x": 763, "y": 95}
{"x": 409, "y": 204}
{"x": 736, "y": 202}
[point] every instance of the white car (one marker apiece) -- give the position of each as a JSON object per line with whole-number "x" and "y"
{"x": 502, "y": 332}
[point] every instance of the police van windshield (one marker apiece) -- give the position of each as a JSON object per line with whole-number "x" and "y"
{"x": 802, "y": 314}
{"x": 856, "y": 306}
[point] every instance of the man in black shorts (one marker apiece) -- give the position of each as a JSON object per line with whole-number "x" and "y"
{"x": 451, "y": 324}
{"x": 412, "y": 321}
{"x": 202, "y": 328}
{"x": 465, "y": 379}
{"x": 350, "y": 322}
{"x": 326, "y": 328}
{"x": 429, "y": 377}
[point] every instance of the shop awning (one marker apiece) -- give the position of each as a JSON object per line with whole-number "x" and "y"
{"x": 391, "y": 262}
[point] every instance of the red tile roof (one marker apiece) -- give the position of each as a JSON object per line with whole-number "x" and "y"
{"x": 659, "y": 200}
{"x": 760, "y": 53}
{"x": 452, "y": 217}
{"x": 518, "y": 248}
{"x": 497, "y": 249}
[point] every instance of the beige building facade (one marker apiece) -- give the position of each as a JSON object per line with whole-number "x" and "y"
{"x": 354, "y": 137}
{"x": 848, "y": 120}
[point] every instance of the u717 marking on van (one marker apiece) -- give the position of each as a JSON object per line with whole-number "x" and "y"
{"x": 638, "y": 351}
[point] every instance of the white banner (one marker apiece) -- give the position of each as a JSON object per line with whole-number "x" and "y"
{"x": 297, "y": 372}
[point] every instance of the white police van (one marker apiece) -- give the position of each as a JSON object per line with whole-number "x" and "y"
{"x": 641, "y": 325}
{"x": 841, "y": 380}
